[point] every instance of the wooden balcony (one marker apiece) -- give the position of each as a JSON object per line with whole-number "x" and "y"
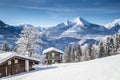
{"x": 55, "y": 58}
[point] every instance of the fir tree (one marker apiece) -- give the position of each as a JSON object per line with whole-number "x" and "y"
{"x": 108, "y": 47}
{"x": 72, "y": 52}
{"x": 101, "y": 51}
{"x": 5, "y": 46}
{"x": 78, "y": 53}
{"x": 67, "y": 54}
{"x": 117, "y": 42}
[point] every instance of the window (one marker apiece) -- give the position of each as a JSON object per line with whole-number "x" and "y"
{"x": 9, "y": 62}
{"x": 16, "y": 61}
{"x": 53, "y": 55}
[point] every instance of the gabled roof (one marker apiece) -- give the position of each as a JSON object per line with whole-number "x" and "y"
{"x": 7, "y": 55}
{"x": 52, "y": 49}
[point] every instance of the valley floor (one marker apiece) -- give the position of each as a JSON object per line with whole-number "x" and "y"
{"x": 99, "y": 69}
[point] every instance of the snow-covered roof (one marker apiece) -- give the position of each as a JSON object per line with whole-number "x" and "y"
{"x": 52, "y": 49}
{"x": 7, "y": 55}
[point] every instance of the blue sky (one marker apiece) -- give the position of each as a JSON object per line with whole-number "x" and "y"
{"x": 51, "y": 12}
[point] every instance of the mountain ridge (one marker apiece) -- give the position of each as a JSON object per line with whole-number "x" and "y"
{"x": 61, "y": 35}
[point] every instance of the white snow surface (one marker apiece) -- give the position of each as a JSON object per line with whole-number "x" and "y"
{"x": 99, "y": 69}
{"x": 52, "y": 49}
{"x": 7, "y": 55}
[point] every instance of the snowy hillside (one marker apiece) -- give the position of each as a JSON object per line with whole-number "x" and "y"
{"x": 99, "y": 69}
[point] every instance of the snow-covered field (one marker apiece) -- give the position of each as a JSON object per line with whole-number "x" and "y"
{"x": 99, "y": 69}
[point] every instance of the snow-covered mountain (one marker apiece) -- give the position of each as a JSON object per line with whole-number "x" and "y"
{"x": 88, "y": 41}
{"x": 56, "y": 31}
{"x": 2, "y": 24}
{"x": 113, "y": 26}
{"x": 38, "y": 27}
{"x": 81, "y": 27}
{"x": 78, "y": 30}
{"x": 9, "y": 33}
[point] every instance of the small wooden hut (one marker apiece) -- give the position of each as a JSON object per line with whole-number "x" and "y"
{"x": 12, "y": 63}
{"x": 53, "y": 55}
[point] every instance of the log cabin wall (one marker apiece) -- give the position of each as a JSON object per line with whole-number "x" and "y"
{"x": 11, "y": 67}
{"x": 2, "y": 71}
{"x": 14, "y": 66}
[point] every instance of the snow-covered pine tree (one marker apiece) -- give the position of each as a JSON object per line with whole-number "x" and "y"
{"x": 85, "y": 52}
{"x": 101, "y": 51}
{"x": 29, "y": 41}
{"x": 5, "y": 46}
{"x": 117, "y": 42}
{"x": 90, "y": 53}
{"x": 67, "y": 54}
{"x": 15, "y": 49}
{"x": 94, "y": 51}
{"x": 112, "y": 45}
{"x": 109, "y": 46}
{"x": 78, "y": 54}
{"x": 72, "y": 53}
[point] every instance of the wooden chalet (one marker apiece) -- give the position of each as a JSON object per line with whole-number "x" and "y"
{"x": 12, "y": 63}
{"x": 53, "y": 55}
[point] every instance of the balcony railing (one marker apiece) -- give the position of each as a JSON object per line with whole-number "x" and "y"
{"x": 54, "y": 58}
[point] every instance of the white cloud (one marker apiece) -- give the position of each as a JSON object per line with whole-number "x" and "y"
{"x": 63, "y": 9}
